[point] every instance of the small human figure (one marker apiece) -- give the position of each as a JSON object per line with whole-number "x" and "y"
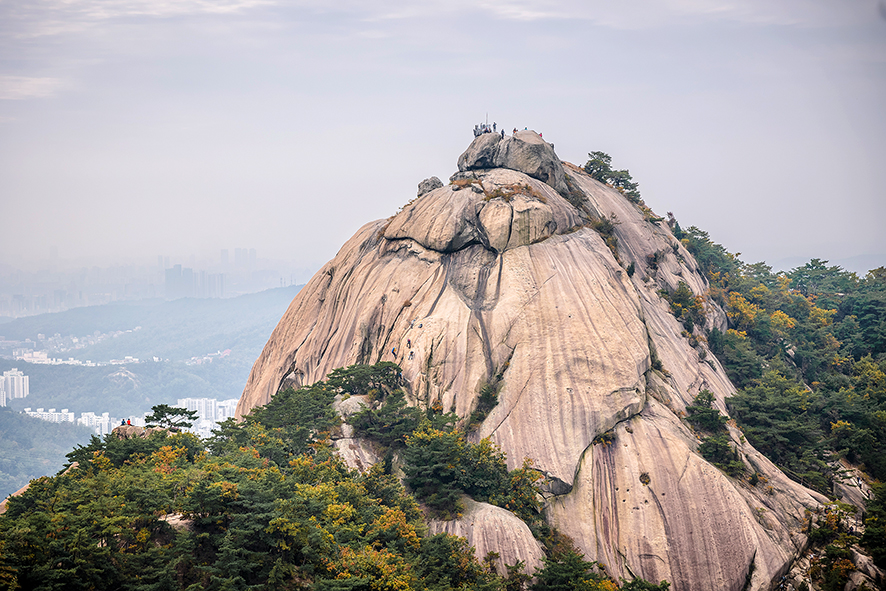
{"x": 394, "y": 351}
{"x": 408, "y": 343}
{"x": 493, "y": 126}
{"x": 411, "y": 355}
{"x": 502, "y": 134}
{"x": 122, "y": 422}
{"x": 128, "y": 423}
{"x": 539, "y": 134}
{"x": 515, "y": 131}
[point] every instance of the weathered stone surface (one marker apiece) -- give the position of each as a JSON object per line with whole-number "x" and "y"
{"x": 428, "y": 185}
{"x": 688, "y": 518}
{"x": 481, "y": 153}
{"x": 507, "y": 280}
{"x": 525, "y": 152}
{"x": 130, "y": 431}
{"x": 492, "y": 529}
{"x": 850, "y": 485}
{"x": 357, "y": 453}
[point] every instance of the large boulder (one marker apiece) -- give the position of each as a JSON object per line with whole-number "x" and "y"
{"x": 492, "y": 529}
{"x": 428, "y": 185}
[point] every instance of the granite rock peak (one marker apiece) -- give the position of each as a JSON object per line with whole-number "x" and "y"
{"x": 500, "y": 273}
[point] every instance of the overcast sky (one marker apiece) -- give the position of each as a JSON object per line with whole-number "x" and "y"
{"x": 132, "y": 128}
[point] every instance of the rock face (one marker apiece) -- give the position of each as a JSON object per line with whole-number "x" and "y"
{"x": 130, "y": 431}
{"x": 492, "y": 529}
{"x": 498, "y": 273}
{"x": 524, "y": 151}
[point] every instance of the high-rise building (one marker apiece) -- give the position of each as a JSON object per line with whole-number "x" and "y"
{"x": 225, "y": 409}
{"x": 15, "y": 384}
{"x": 100, "y": 424}
{"x": 180, "y": 283}
{"x": 205, "y": 407}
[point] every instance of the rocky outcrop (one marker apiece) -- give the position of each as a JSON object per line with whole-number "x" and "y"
{"x": 357, "y": 452}
{"x": 499, "y": 274}
{"x": 130, "y": 431}
{"x": 492, "y": 529}
{"x": 524, "y": 151}
{"x": 428, "y": 185}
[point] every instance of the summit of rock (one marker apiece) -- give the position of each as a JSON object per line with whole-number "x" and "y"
{"x": 499, "y": 275}
{"x": 525, "y": 152}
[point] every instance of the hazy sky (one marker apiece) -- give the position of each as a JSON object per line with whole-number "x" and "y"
{"x": 130, "y": 128}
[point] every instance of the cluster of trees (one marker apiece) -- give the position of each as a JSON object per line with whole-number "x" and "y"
{"x": 267, "y": 504}
{"x": 716, "y": 446}
{"x": 31, "y": 447}
{"x": 599, "y": 166}
{"x": 807, "y": 350}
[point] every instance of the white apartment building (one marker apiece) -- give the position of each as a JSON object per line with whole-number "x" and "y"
{"x": 101, "y": 424}
{"x": 225, "y": 409}
{"x": 14, "y": 384}
{"x": 51, "y": 415}
{"x": 210, "y": 413}
{"x": 205, "y": 407}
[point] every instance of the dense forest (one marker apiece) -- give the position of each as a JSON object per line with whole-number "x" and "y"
{"x": 267, "y": 504}
{"x": 33, "y": 447}
{"x": 807, "y": 351}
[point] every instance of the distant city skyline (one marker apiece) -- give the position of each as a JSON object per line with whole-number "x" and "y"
{"x": 56, "y": 285}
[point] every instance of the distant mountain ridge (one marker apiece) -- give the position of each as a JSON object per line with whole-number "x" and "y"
{"x": 175, "y": 331}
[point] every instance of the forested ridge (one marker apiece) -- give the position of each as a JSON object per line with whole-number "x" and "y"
{"x": 807, "y": 351}
{"x": 268, "y": 504}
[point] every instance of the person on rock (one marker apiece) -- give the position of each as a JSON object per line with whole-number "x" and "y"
{"x": 128, "y": 423}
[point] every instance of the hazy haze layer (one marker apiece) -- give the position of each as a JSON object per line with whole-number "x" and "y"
{"x": 131, "y": 128}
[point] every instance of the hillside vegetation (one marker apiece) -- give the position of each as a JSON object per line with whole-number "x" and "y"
{"x": 267, "y": 505}
{"x": 807, "y": 350}
{"x": 32, "y": 447}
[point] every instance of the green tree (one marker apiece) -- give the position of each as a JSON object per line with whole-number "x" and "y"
{"x": 170, "y": 417}
{"x": 703, "y": 415}
{"x": 599, "y": 166}
{"x": 874, "y": 537}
